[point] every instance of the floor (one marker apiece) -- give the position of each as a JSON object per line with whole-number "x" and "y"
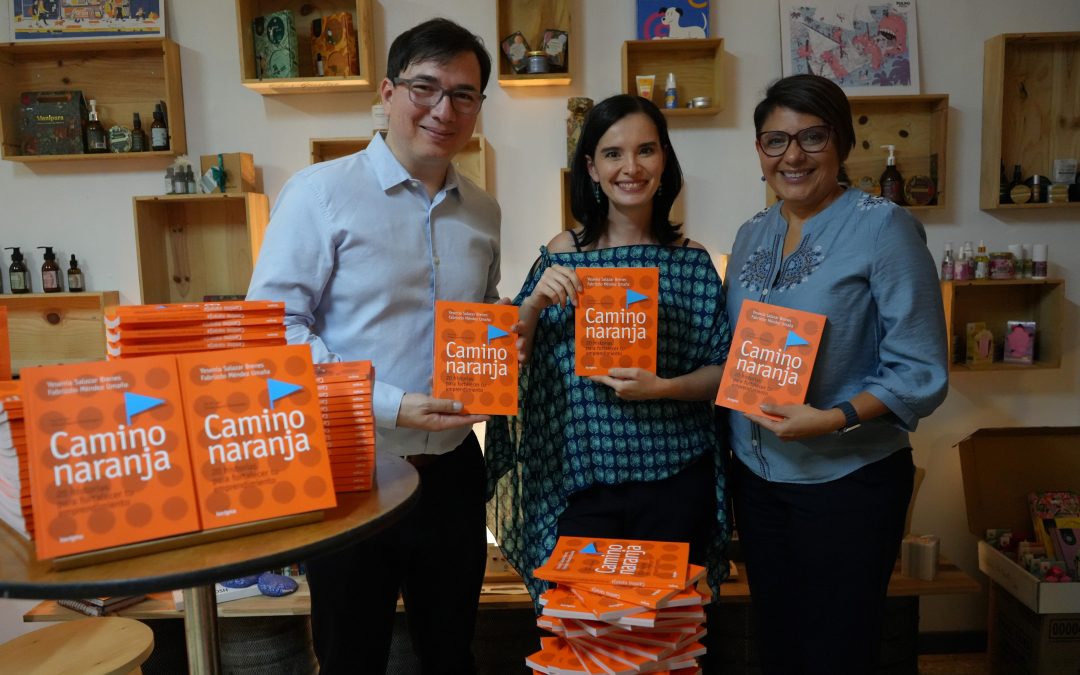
{"x": 953, "y": 664}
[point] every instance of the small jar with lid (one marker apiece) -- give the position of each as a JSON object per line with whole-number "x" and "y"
{"x": 537, "y": 62}
{"x": 1002, "y": 265}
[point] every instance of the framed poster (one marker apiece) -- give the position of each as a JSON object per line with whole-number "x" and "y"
{"x": 868, "y": 48}
{"x": 85, "y": 19}
{"x": 658, "y": 19}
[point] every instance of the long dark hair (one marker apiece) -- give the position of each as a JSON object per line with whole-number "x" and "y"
{"x": 592, "y": 212}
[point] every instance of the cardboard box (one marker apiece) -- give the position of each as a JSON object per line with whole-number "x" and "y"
{"x": 1034, "y": 625}
{"x": 52, "y": 122}
{"x": 239, "y": 170}
{"x": 334, "y": 43}
{"x": 276, "y": 50}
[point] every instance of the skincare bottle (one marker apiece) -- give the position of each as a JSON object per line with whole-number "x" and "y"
{"x": 17, "y": 275}
{"x": 1018, "y": 192}
{"x": 169, "y": 181}
{"x": 75, "y": 277}
{"x": 159, "y": 133}
{"x": 189, "y": 176}
{"x": 948, "y": 263}
{"x": 1039, "y": 188}
{"x": 179, "y": 181}
{"x": 892, "y": 183}
{"x": 671, "y": 93}
{"x": 95, "y": 131}
{"x": 320, "y": 68}
{"x": 50, "y": 272}
{"x": 1003, "y": 187}
{"x": 138, "y": 136}
{"x": 968, "y": 256}
{"x": 1038, "y": 261}
{"x": 982, "y": 262}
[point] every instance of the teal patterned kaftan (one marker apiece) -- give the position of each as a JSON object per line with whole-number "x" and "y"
{"x": 571, "y": 433}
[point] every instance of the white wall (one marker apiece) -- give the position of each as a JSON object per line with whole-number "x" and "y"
{"x": 87, "y": 208}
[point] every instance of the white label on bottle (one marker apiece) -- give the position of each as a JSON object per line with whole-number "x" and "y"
{"x": 159, "y": 137}
{"x": 74, "y": 280}
{"x": 49, "y": 279}
{"x": 18, "y": 281}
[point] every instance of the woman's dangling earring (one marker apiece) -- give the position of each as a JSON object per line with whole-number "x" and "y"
{"x": 659, "y": 189}
{"x": 596, "y": 191}
{"x": 763, "y": 179}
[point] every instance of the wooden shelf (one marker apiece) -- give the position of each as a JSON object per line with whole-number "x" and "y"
{"x": 57, "y": 328}
{"x": 471, "y": 162}
{"x": 917, "y": 125}
{"x": 191, "y": 246}
{"x": 1029, "y": 108}
{"x": 995, "y": 302}
{"x": 698, "y": 66}
{"x": 531, "y": 18}
{"x": 304, "y": 13}
{"x": 125, "y": 76}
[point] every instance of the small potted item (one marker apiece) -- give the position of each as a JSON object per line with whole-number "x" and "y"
{"x": 515, "y": 47}
{"x": 555, "y": 43}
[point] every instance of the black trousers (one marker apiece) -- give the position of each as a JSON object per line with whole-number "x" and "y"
{"x": 818, "y": 560}
{"x": 679, "y": 508}
{"x": 435, "y": 557}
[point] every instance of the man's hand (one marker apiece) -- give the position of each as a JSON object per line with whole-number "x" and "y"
{"x": 420, "y": 411}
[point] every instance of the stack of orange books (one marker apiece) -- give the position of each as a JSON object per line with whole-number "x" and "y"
{"x": 14, "y": 470}
{"x": 344, "y": 391}
{"x": 145, "y": 330}
{"x": 621, "y": 606}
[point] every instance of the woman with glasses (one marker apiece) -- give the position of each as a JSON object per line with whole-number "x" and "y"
{"x": 821, "y": 490}
{"x": 627, "y": 454}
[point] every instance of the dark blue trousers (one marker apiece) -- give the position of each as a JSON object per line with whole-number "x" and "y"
{"x": 818, "y": 558}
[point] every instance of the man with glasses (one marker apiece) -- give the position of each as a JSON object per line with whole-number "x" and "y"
{"x": 359, "y": 248}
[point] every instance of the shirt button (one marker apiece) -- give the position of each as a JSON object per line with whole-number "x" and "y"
{"x": 435, "y": 260}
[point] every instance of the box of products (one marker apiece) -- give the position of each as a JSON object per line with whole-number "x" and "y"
{"x": 1034, "y": 624}
{"x": 334, "y": 45}
{"x": 52, "y": 122}
{"x": 239, "y": 168}
{"x": 276, "y": 50}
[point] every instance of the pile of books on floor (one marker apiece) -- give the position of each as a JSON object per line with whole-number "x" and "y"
{"x": 102, "y": 606}
{"x": 145, "y": 330}
{"x": 621, "y": 606}
{"x": 14, "y": 472}
{"x": 344, "y": 391}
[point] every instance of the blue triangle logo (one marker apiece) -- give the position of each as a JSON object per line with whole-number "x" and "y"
{"x": 794, "y": 340}
{"x": 495, "y": 332}
{"x": 137, "y": 403}
{"x": 634, "y": 296}
{"x": 590, "y": 548}
{"x": 278, "y": 389}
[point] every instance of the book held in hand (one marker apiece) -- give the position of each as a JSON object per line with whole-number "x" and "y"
{"x": 476, "y": 357}
{"x": 615, "y": 321}
{"x": 772, "y": 356}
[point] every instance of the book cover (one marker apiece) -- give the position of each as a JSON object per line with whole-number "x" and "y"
{"x": 1048, "y": 505}
{"x": 1067, "y": 547}
{"x": 615, "y": 321}
{"x": 203, "y": 313}
{"x": 980, "y": 344}
{"x": 659, "y": 19}
{"x": 475, "y": 357}
{"x": 565, "y": 603}
{"x": 108, "y": 454}
{"x": 92, "y": 606}
{"x": 644, "y": 596}
{"x": 772, "y": 356}
{"x": 1019, "y": 342}
{"x": 619, "y": 562}
{"x": 257, "y": 444}
{"x": 221, "y": 594}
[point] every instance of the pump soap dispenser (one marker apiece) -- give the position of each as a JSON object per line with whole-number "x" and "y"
{"x": 17, "y": 275}
{"x": 50, "y": 272}
{"x": 892, "y": 183}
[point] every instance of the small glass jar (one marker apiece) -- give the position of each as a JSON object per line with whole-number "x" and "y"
{"x": 537, "y": 62}
{"x": 1002, "y": 266}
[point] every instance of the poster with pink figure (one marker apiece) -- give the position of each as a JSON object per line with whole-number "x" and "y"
{"x": 868, "y": 48}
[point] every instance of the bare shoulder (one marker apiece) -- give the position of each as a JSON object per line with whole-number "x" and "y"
{"x": 562, "y": 243}
{"x": 693, "y": 244}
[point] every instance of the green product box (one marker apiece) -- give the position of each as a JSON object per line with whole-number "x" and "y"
{"x": 52, "y": 122}
{"x": 276, "y": 51}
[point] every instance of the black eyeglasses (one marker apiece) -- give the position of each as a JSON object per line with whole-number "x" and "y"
{"x": 427, "y": 94}
{"x": 810, "y": 139}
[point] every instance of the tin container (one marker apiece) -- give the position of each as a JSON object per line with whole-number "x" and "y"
{"x": 701, "y": 102}
{"x": 538, "y": 62}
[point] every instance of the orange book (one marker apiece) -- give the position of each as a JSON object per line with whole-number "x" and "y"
{"x": 476, "y": 357}
{"x": 257, "y": 444}
{"x": 344, "y": 371}
{"x": 653, "y": 598}
{"x": 619, "y": 562}
{"x": 615, "y": 321}
{"x": 772, "y": 355}
{"x": 563, "y": 603}
{"x": 126, "y": 316}
{"x": 5, "y": 345}
{"x": 108, "y": 454}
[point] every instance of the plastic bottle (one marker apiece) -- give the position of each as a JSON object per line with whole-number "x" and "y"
{"x": 982, "y": 262}
{"x": 17, "y": 275}
{"x": 671, "y": 93}
{"x": 75, "y": 276}
{"x": 948, "y": 264}
{"x": 892, "y": 183}
{"x": 50, "y": 272}
{"x": 963, "y": 270}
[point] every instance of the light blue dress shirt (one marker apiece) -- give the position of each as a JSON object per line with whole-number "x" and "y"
{"x": 863, "y": 263}
{"x": 359, "y": 254}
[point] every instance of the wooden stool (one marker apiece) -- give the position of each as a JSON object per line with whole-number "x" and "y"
{"x": 105, "y": 645}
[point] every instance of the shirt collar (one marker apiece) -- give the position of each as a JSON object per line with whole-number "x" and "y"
{"x": 390, "y": 172}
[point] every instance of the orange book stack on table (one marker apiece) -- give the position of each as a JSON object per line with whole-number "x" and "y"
{"x": 108, "y": 455}
{"x": 620, "y": 607}
{"x": 344, "y": 392}
{"x": 257, "y": 442}
{"x": 14, "y": 471}
{"x": 143, "y": 330}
